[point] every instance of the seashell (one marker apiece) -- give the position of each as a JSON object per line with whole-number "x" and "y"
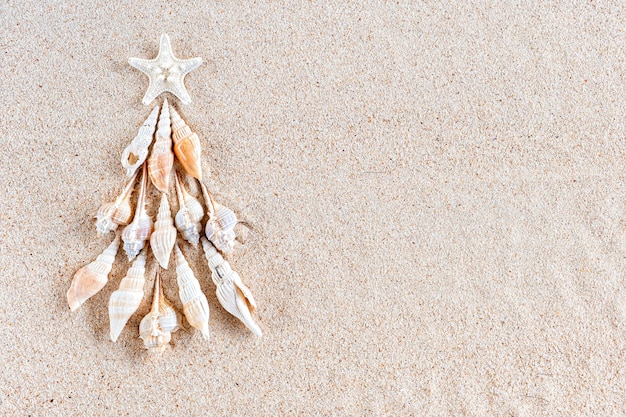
{"x": 186, "y": 146}
{"x": 135, "y": 234}
{"x": 195, "y": 304}
{"x": 162, "y": 158}
{"x": 137, "y": 151}
{"x": 220, "y": 228}
{"x": 189, "y": 215}
{"x": 92, "y": 278}
{"x": 156, "y": 328}
{"x": 119, "y": 212}
{"x": 125, "y": 301}
{"x": 164, "y": 236}
{"x": 231, "y": 292}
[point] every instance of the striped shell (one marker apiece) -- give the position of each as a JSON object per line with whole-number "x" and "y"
{"x": 164, "y": 236}
{"x": 189, "y": 215}
{"x": 157, "y": 326}
{"x": 195, "y": 304}
{"x": 186, "y": 146}
{"x": 137, "y": 151}
{"x": 137, "y": 233}
{"x": 220, "y": 228}
{"x": 126, "y": 300}
{"x": 162, "y": 158}
{"x": 117, "y": 213}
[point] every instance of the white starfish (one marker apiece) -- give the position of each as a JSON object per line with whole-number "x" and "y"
{"x": 166, "y": 72}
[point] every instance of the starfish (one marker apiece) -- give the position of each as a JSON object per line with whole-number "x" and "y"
{"x": 166, "y": 72}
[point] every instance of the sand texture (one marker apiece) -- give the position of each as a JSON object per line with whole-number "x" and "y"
{"x": 437, "y": 195}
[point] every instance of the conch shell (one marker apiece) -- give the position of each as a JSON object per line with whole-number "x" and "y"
{"x": 92, "y": 278}
{"x": 125, "y": 301}
{"x": 186, "y": 146}
{"x": 189, "y": 215}
{"x": 135, "y": 234}
{"x": 162, "y": 158}
{"x": 164, "y": 236}
{"x": 233, "y": 295}
{"x": 220, "y": 228}
{"x": 117, "y": 213}
{"x": 195, "y": 304}
{"x": 137, "y": 151}
{"x": 157, "y": 326}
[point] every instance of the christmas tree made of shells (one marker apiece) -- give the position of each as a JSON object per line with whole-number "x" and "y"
{"x": 173, "y": 139}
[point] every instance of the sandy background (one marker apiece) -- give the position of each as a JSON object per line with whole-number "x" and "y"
{"x": 437, "y": 192}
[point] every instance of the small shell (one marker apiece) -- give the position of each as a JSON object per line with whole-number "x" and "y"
{"x": 162, "y": 158}
{"x": 151, "y": 329}
{"x": 186, "y": 146}
{"x": 137, "y": 151}
{"x": 189, "y": 215}
{"x": 137, "y": 233}
{"x": 220, "y": 228}
{"x": 92, "y": 278}
{"x": 195, "y": 304}
{"x": 231, "y": 292}
{"x": 119, "y": 212}
{"x": 164, "y": 235}
{"x": 125, "y": 301}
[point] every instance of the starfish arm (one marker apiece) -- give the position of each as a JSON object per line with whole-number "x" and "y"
{"x": 178, "y": 89}
{"x": 165, "y": 47}
{"x": 154, "y": 90}
{"x": 188, "y": 65}
{"x": 143, "y": 65}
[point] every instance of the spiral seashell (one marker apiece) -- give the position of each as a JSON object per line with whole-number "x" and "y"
{"x": 92, "y": 278}
{"x": 156, "y": 328}
{"x": 231, "y": 292}
{"x": 189, "y": 215}
{"x": 125, "y": 301}
{"x": 220, "y": 228}
{"x": 162, "y": 158}
{"x": 186, "y": 146}
{"x": 164, "y": 236}
{"x": 137, "y": 151}
{"x": 135, "y": 234}
{"x": 195, "y": 304}
{"x": 119, "y": 212}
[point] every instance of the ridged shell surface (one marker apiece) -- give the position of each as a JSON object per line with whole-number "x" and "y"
{"x": 125, "y": 301}
{"x": 152, "y": 331}
{"x": 162, "y": 158}
{"x": 137, "y": 233}
{"x": 119, "y": 212}
{"x": 93, "y": 277}
{"x": 220, "y": 228}
{"x": 195, "y": 304}
{"x": 137, "y": 151}
{"x": 186, "y": 146}
{"x": 231, "y": 292}
{"x": 189, "y": 214}
{"x": 164, "y": 236}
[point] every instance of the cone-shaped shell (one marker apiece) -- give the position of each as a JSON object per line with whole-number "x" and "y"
{"x": 93, "y": 277}
{"x": 119, "y": 212}
{"x": 164, "y": 236}
{"x": 125, "y": 301}
{"x": 154, "y": 337}
{"x": 162, "y": 158}
{"x": 231, "y": 292}
{"x": 186, "y": 146}
{"x": 137, "y": 151}
{"x": 195, "y": 304}
{"x": 137, "y": 233}
{"x": 189, "y": 214}
{"x": 220, "y": 228}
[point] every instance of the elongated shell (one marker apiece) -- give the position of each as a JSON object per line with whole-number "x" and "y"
{"x": 231, "y": 292}
{"x": 195, "y": 304}
{"x": 92, "y": 278}
{"x": 155, "y": 337}
{"x": 189, "y": 215}
{"x": 119, "y": 212}
{"x": 220, "y": 228}
{"x": 164, "y": 235}
{"x": 125, "y": 301}
{"x": 162, "y": 158}
{"x": 137, "y": 150}
{"x": 186, "y": 146}
{"x": 137, "y": 233}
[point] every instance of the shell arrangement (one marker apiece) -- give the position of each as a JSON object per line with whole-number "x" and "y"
{"x": 140, "y": 235}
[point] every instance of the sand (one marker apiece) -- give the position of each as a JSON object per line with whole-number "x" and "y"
{"x": 436, "y": 191}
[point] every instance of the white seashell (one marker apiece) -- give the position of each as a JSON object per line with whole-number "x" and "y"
{"x": 156, "y": 337}
{"x": 162, "y": 158}
{"x": 186, "y": 146}
{"x": 164, "y": 236}
{"x": 195, "y": 304}
{"x": 189, "y": 215}
{"x": 137, "y": 233}
{"x": 231, "y": 292}
{"x": 125, "y": 301}
{"x": 137, "y": 151}
{"x": 220, "y": 228}
{"x": 119, "y": 212}
{"x": 92, "y": 278}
